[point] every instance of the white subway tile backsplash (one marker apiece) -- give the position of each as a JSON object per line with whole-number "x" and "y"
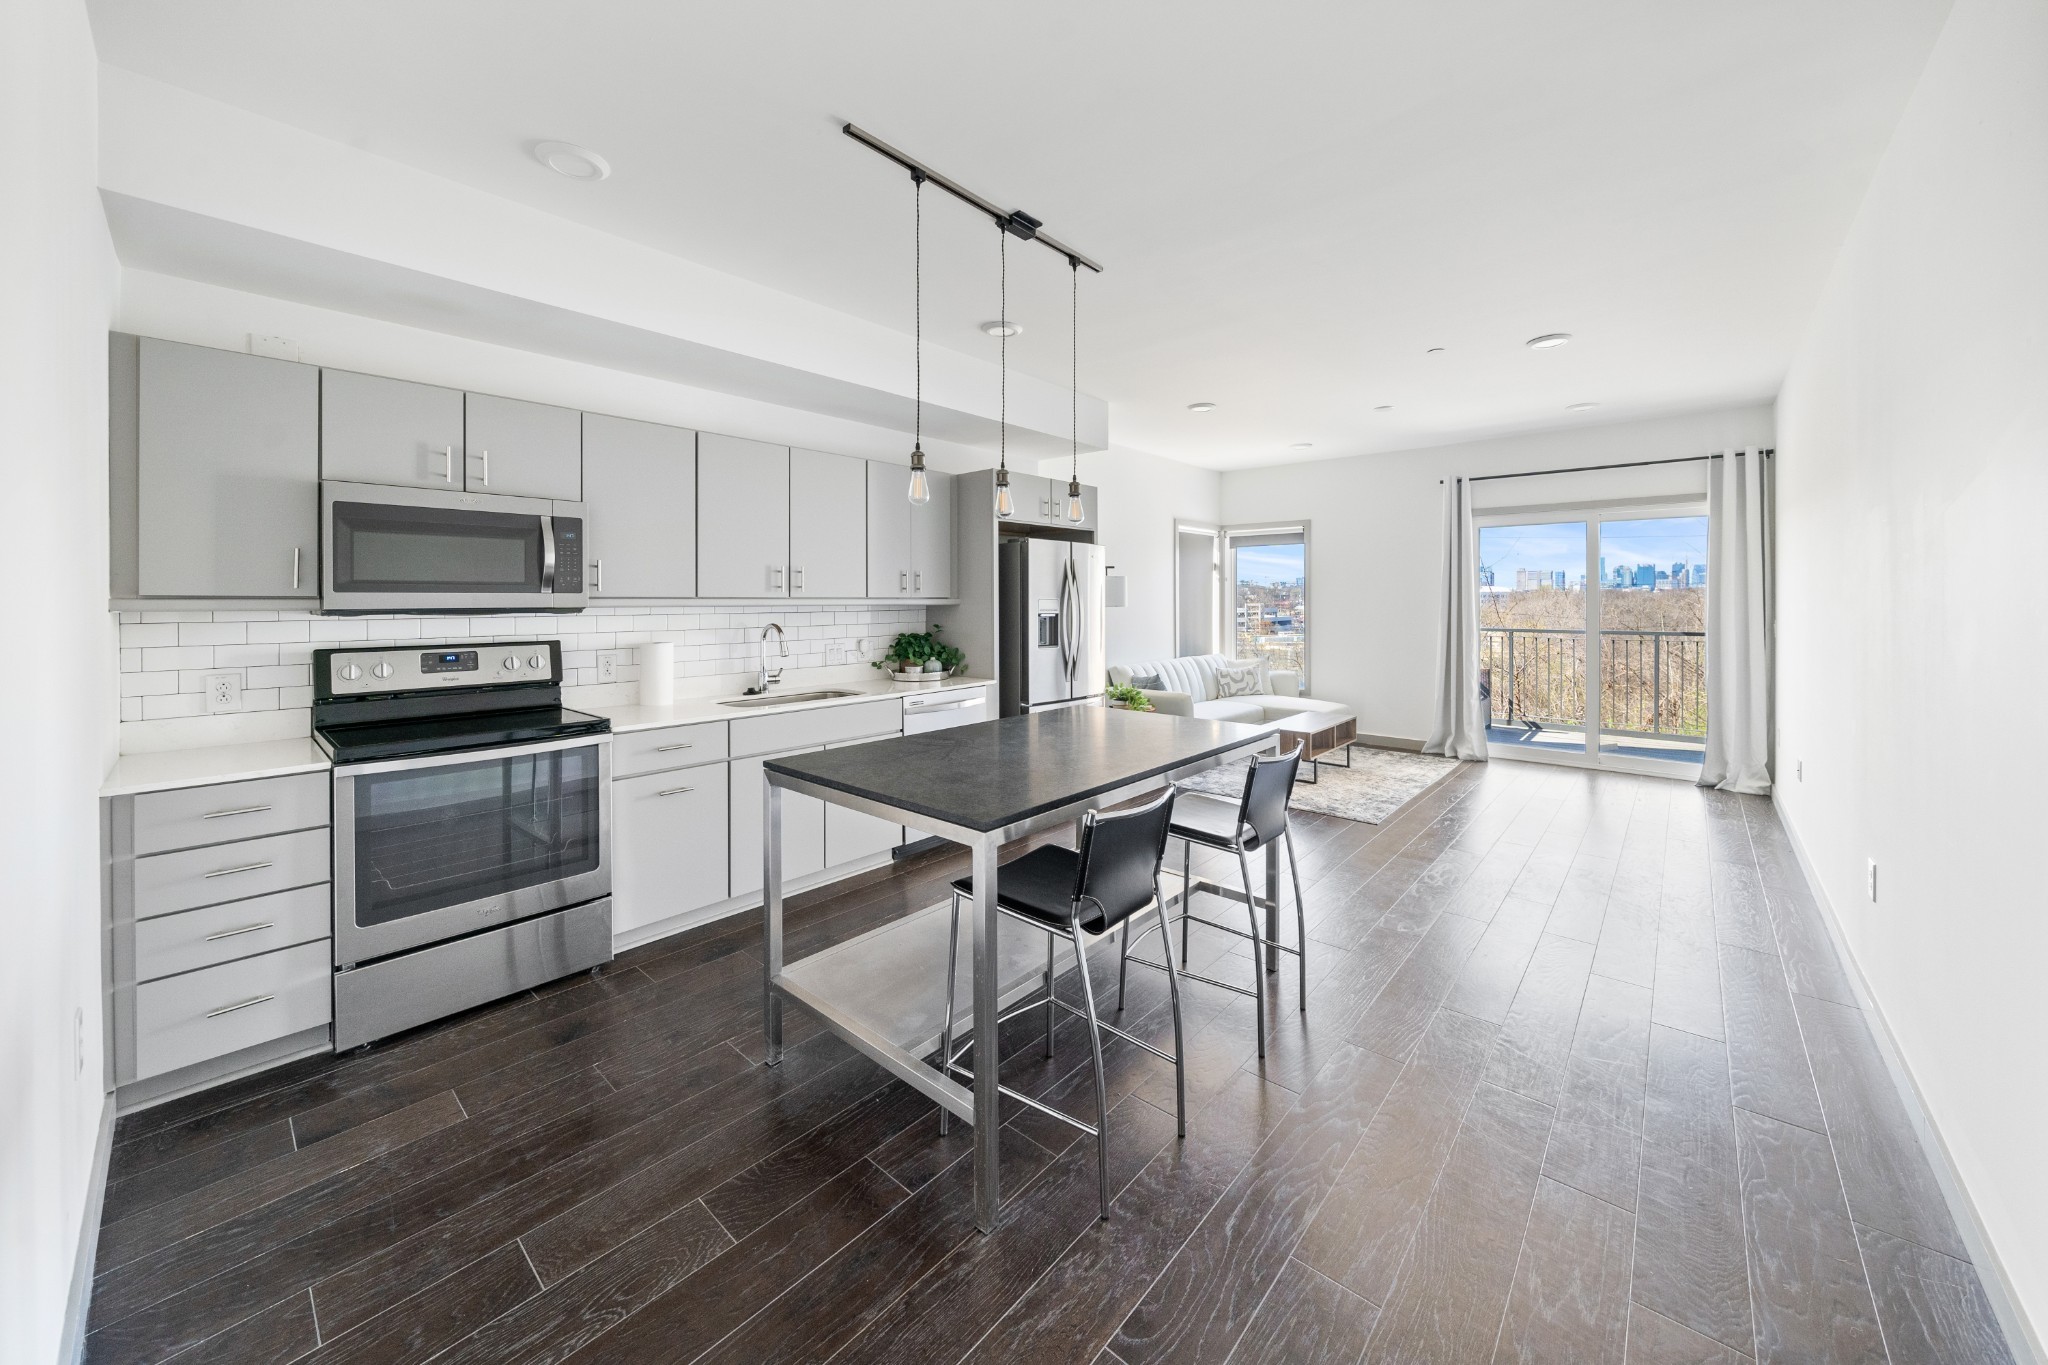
{"x": 166, "y": 656}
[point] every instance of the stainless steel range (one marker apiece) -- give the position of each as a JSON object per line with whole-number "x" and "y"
{"x": 472, "y": 843}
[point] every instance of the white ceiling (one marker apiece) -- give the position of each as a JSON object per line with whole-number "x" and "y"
{"x": 1294, "y": 200}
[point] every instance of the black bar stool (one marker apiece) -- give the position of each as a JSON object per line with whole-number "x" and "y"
{"x": 1067, "y": 892}
{"x": 1256, "y": 821}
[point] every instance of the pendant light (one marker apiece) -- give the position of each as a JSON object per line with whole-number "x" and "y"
{"x": 1005, "y": 508}
{"x": 920, "y": 486}
{"x": 1075, "y": 511}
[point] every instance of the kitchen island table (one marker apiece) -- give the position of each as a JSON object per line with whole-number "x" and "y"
{"x": 983, "y": 786}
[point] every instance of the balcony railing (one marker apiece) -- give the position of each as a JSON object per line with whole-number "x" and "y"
{"x": 1652, "y": 682}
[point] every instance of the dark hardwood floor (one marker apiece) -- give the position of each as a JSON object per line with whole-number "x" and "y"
{"x": 1579, "y": 1080}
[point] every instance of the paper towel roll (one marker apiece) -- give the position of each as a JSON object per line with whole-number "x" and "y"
{"x": 657, "y": 673}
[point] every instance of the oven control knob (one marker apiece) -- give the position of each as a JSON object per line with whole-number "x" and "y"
{"x": 383, "y": 670}
{"x": 511, "y": 663}
{"x": 537, "y": 661}
{"x": 351, "y": 672}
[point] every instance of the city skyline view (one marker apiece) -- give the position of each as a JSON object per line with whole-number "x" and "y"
{"x": 1555, "y": 547}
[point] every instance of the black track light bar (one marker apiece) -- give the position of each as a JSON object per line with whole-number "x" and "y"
{"x": 1013, "y": 221}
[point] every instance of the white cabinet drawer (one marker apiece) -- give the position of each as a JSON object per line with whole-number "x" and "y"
{"x": 668, "y": 845}
{"x": 192, "y": 816}
{"x": 185, "y": 1019}
{"x": 191, "y": 939}
{"x": 824, "y": 725}
{"x": 678, "y": 746}
{"x": 169, "y": 882}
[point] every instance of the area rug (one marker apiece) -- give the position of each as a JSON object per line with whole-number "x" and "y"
{"x": 1378, "y": 783}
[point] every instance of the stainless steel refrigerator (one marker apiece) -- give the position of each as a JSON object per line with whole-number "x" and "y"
{"x": 1051, "y": 643}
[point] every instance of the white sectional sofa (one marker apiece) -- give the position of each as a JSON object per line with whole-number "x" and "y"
{"x": 1189, "y": 689}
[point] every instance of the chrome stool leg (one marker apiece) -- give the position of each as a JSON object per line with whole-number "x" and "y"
{"x": 1300, "y": 917}
{"x": 1251, "y": 904}
{"x": 1051, "y": 1020}
{"x": 1180, "y": 1061}
{"x": 1101, "y": 1084}
{"x": 1187, "y": 892}
{"x": 946, "y": 1032}
{"x": 1123, "y": 955}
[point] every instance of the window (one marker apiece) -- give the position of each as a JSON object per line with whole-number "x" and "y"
{"x": 1266, "y": 569}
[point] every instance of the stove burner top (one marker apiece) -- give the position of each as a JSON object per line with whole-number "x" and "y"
{"x": 421, "y": 700}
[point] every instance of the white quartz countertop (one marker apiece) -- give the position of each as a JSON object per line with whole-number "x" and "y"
{"x": 696, "y": 710}
{"x": 175, "y": 768}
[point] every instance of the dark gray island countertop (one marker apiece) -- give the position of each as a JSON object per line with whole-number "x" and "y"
{"x": 1000, "y": 772}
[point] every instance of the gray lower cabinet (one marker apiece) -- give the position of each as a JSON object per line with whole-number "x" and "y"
{"x": 522, "y": 449}
{"x": 931, "y": 541}
{"x": 390, "y": 431}
{"x": 226, "y": 473}
{"x": 742, "y": 517}
{"x": 888, "y": 518}
{"x": 828, "y": 497}
{"x": 852, "y": 835}
{"x": 219, "y": 917}
{"x": 803, "y": 827}
{"x": 640, "y": 496}
{"x": 669, "y": 848}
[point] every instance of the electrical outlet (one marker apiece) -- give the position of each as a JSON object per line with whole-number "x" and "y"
{"x": 1871, "y": 884}
{"x": 223, "y": 693}
{"x": 78, "y": 1039}
{"x": 608, "y": 661}
{"x": 1799, "y": 770}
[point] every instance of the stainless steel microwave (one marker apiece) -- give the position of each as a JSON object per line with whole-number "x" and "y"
{"x": 423, "y": 550}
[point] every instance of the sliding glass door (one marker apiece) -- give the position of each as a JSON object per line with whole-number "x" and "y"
{"x": 1617, "y": 595}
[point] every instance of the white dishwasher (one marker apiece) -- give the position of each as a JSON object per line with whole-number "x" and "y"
{"x": 944, "y": 710}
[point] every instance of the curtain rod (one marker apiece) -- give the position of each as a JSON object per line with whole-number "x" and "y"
{"x": 1767, "y": 452}
{"x": 1014, "y": 221}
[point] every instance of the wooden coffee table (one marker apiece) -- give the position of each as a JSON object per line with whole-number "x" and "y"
{"x": 1320, "y": 734}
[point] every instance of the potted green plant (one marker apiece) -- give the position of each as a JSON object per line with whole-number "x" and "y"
{"x": 922, "y": 653}
{"x": 1128, "y": 698}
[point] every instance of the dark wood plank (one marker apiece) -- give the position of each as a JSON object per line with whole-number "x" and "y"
{"x": 437, "y": 1317}
{"x": 1395, "y": 1022}
{"x": 1805, "y": 1272}
{"x": 1486, "y": 984}
{"x": 221, "y": 1160}
{"x": 1741, "y": 915}
{"x": 1361, "y": 1233}
{"x": 1932, "y": 1307}
{"x": 284, "y": 1331}
{"x": 1454, "y": 1285}
{"x": 1308, "y": 1319}
{"x": 1601, "y": 1159}
{"x": 1885, "y": 1172}
{"x": 1767, "y": 1064}
{"x": 1627, "y": 949}
{"x": 1687, "y": 990}
{"x": 1570, "y": 1300}
{"x": 1581, "y": 905}
{"x": 1198, "y": 1308}
{"x": 1654, "y": 1339}
{"x": 1691, "y": 1264}
{"x": 1609, "y": 1058}
{"x": 1535, "y": 1041}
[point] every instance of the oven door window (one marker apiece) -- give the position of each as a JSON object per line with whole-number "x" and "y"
{"x": 389, "y": 549}
{"x": 430, "y": 838}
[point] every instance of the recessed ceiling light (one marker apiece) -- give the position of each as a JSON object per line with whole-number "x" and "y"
{"x": 1384, "y": 407}
{"x": 1303, "y": 445}
{"x": 566, "y": 158}
{"x": 1547, "y": 341}
{"x": 1579, "y": 407}
{"x": 1201, "y": 407}
{"x": 1001, "y": 328}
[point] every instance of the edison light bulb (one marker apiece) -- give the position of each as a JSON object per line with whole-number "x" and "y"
{"x": 1075, "y": 512}
{"x": 920, "y": 487}
{"x": 1004, "y": 507}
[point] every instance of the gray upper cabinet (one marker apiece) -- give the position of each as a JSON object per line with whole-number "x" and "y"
{"x": 931, "y": 541}
{"x": 828, "y": 525}
{"x": 390, "y": 431}
{"x": 742, "y": 518}
{"x": 888, "y": 529}
{"x": 227, "y": 478}
{"x": 640, "y": 495}
{"x": 521, "y": 449}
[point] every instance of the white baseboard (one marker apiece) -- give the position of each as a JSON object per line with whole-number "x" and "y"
{"x": 2019, "y": 1330}
{"x": 86, "y": 1261}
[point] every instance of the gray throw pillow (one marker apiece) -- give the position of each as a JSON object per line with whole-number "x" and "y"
{"x": 1238, "y": 680}
{"x": 1149, "y": 682}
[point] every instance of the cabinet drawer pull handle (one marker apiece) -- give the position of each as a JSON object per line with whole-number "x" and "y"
{"x": 236, "y": 933}
{"x": 918, "y": 580}
{"x": 296, "y": 552}
{"x": 675, "y": 791}
{"x": 231, "y": 871}
{"x": 239, "y": 810}
{"x": 485, "y": 456}
{"x": 671, "y": 748}
{"x": 230, "y": 1009}
{"x": 447, "y": 464}
{"x": 903, "y": 581}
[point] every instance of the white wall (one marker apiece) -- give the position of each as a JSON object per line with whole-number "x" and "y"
{"x": 1139, "y": 497}
{"x": 56, "y": 279}
{"x": 1376, "y": 543}
{"x": 1912, "y": 628}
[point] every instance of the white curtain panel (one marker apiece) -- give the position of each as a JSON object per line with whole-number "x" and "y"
{"x": 1738, "y": 751}
{"x": 1460, "y": 729}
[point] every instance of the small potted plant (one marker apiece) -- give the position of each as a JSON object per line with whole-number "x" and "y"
{"x": 915, "y": 657}
{"x": 1127, "y": 698}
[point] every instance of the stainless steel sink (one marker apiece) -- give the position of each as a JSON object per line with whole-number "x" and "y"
{"x": 785, "y": 698}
